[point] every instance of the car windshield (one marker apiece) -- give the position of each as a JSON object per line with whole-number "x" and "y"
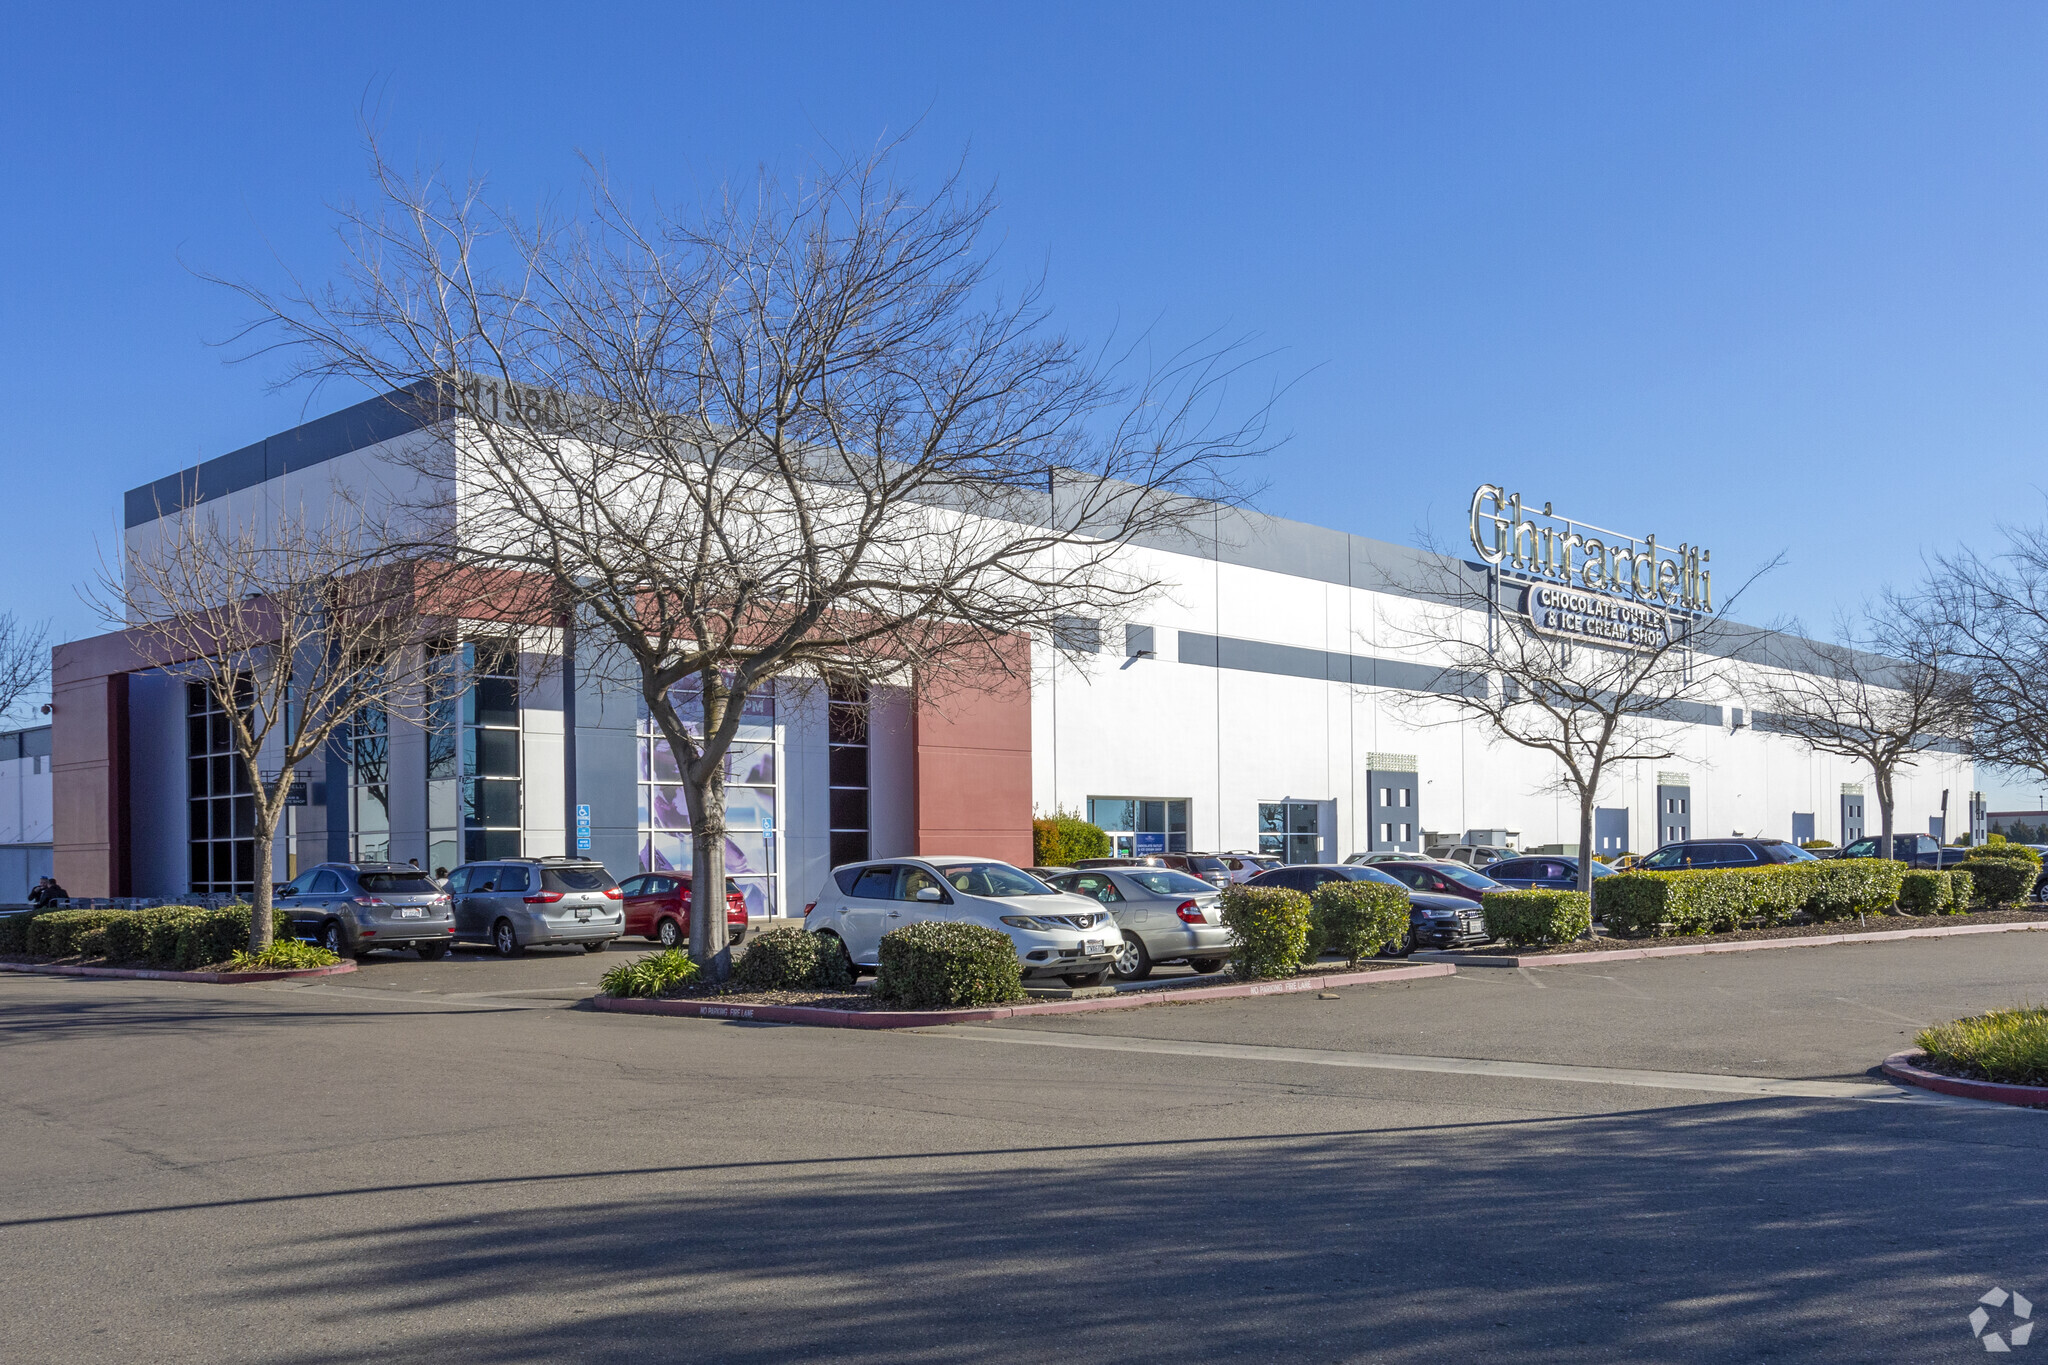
{"x": 1171, "y": 883}
{"x": 575, "y": 879}
{"x": 397, "y": 883}
{"x": 1670, "y": 856}
{"x": 1467, "y": 878}
{"x": 1788, "y": 853}
{"x": 999, "y": 880}
{"x": 1373, "y": 874}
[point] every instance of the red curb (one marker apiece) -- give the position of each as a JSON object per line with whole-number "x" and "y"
{"x": 153, "y": 974}
{"x": 880, "y": 1019}
{"x": 1899, "y": 1066}
{"x": 1753, "y": 945}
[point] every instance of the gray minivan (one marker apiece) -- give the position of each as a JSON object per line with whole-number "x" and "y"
{"x": 514, "y": 903}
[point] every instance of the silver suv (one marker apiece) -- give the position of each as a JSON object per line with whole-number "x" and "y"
{"x": 514, "y": 903}
{"x": 351, "y": 908}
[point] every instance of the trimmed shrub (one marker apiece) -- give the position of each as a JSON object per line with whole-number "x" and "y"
{"x": 180, "y": 937}
{"x": 1922, "y": 892}
{"x": 61, "y": 933}
{"x": 1846, "y": 887}
{"x": 943, "y": 965}
{"x": 2016, "y": 852}
{"x": 2001, "y": 881}
{"x": 1268, "y": 927}
{"x": 1060, "y": 839}
{"x": 1528, "y": 917}
{"x": 1779, "y": 892}
{"x": 791, "y": 957}
{"x": 649, "y": 976}
{"x": 1701, "y": 902}
{"x": 1355, "y": 919}
{"x": 14, "y": 930}
{"x": 1962, "y": 892}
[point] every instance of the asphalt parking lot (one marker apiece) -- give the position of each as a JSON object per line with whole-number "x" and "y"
{"x": 450, "y": 1162}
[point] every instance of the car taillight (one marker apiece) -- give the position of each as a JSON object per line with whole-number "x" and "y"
{"x": 369, "y": 900}
{"x": 808, "y": 908}
{"x": 544, "y": 898}
{"x": 611, "y": 893}
{"x": 438, "y": 900}
{"x": 1190, "y": 912}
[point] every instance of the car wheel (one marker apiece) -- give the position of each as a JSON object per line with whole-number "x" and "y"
{"x": 333, "y": 939}
{"x": 432, "y": 952}
{"x": 1132, "y": 962}
{"x": 504, "y": 940}
{"x": 668, "y": 933}
{"x": 1086, "y": 978}
{"x": 1204, "y": 966}
{"x": 738, "y": 937}
{"x": 598, "y": 946}
{"x": 1401, "y": 949}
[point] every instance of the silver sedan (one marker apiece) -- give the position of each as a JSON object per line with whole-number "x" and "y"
{"x": 1164, "y": 916}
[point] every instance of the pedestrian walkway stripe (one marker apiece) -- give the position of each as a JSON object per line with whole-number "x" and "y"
{"x": 1461, "y": 1066}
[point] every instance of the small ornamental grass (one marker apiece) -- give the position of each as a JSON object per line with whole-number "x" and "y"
{"x": 1269, "y": 928}
{"x": 944, "y": 965}
{"x": 2003, "y": 1045}
{"x": 1524, "y": 918}
{"x": 789, "y": 957}
{"x": 1355, "y": 919}
{"x": 649, "y": 976}
{"x": 283, "y": 955}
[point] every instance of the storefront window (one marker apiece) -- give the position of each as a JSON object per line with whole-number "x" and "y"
{"x": 220, "y": 807}
{"x": 752, "y": 792}
{"x": 1138, "y": 825}
{"x": 491, "y": 791}
{"x": 1291, "y": 830}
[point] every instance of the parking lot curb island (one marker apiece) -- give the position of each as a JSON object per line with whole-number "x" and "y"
{"x": 1694, "y": 949}
{"x": 1902, "y": 1066}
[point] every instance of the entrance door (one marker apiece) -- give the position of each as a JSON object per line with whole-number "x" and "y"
{"x": 1292, "y": 830}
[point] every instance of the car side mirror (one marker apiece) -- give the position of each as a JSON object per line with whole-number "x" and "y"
{"x": 929, "y": 893}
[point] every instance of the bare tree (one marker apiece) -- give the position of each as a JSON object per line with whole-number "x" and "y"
{"x": 796, "y": 434}
{"x": 1894, "y": 687}
{"x": 1994, "y": 611}
{"x": 298, "y": 625}
{"x": 1589, "y": 679}
{"x": 24, "y": 661}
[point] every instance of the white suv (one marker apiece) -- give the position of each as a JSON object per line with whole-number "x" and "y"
{"x": 1071, "y": 937}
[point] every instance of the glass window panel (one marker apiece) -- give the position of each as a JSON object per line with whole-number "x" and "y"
{"x": 745, "y": 852}
{"x": 1176, "y": 843}
{"x": 195, "y": 777}
{"x": 849, "y": 808}
{"x": 1177, "y": 817}
{"x": 745, "y": 807}
{"x": 1301, "y": 818}
{"x": 491, "y": 656}
{"x": 442, "y": 812}
{"x": 1273, "y": 845}
{"x": 195, "y": 735}
{"x": 1272, "y": 820}
{"x": 245, "y": 817}
{"x": 492, "y": 701}
{"x": 1301, "y": 848}
{"x": 441, "y": 856}
{"x": 202, "y": 866}
{"x": 668, "y": 853}
{"x": 1112, "y": 814}
{"x": 491, "y": 753}
{"x": 759, "y": 895}
{"x": 245, "y": 861}
{"x": 753, "y": 764}
{"x": 195, "y": 697}
{"x": 219, "y": 738}
{"x": 663, "y": 762}
{"x": 849, "y": 846}
{"x": 1152, "y": 817}
{"x": 373, "y": 810}
{"x": 849, "y": 765}
{"x": 220, "y": 779}
{"x": 223, "y": 862}
{"x": 196, "y": 819}
{"x": 671, "y": 808}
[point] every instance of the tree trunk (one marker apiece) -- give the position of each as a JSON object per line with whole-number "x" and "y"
{"x": 1884, "y": 812}
{"x": 1586, "y": 799}
{"x": 259, "y": 887}
{"x": 708, "y": 946}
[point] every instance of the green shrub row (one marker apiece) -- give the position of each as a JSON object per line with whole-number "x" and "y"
{"x": 791, "y": 957}
{"x": 942, "y": 965}
{"x": 1524, "y": 918}
{"x": 179, "y": 937}
{"x": 1710, "y": 902}
{"x": 1269, "y": 929}
{"x": 1355, "y": 919}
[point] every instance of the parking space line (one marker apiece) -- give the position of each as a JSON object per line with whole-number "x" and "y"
{"x": 1775, "y": 1086}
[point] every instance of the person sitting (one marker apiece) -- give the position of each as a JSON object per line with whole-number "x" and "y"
{"x": 47, "y": 893}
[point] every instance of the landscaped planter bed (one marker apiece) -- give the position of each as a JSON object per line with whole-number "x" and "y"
{"x": 859, "y": 1009}
{"x": 1877, "y": 928}
{"x": 218, "y": 976}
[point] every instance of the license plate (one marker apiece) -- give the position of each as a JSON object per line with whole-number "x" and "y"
{"x": 411, "y": 912}
{"x": 582, "y": 914}
{"x": 1090, "y": 947}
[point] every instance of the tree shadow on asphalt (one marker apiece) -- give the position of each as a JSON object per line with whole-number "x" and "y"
{"x": 1769, "y": 1229}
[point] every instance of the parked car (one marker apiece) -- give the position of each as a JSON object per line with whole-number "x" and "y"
{"x": 1056, "y": 934}
{"x": 1730, "y": 852}
{"x": 1208, "y": 867}
{"x": 1372, "y": 859}
{"x": 351, "y": 909}
{"x": 1434, "y": 920}
{"x": 1244, "y": 866}
{"x": 1162, "y": 916}
{"x": 1150, "y": 860}
{"x": 1472, "y": 855}
{"x": 1544, "y": 872}
{"x": 658, "y": 907}
{"x": 1921, "y": 850}
{"x": 1443, "y": 879}
{"x": 514, "y": 903}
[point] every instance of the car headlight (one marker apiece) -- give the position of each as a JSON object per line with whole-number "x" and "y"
{"x": 1023, "y": 922}
{"x": 1443, "y": 914}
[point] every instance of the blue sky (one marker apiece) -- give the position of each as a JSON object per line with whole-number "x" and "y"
{"x": 1765, "y": 277}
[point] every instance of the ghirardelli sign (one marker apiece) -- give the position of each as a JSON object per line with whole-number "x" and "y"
{"x": 1554, "y": 549}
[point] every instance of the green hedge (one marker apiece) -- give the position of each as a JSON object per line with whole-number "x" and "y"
{"x": 1926, "y": 892}
{"x": 1962, "y": 892}
{"x": 179, "y": 937}
{"x": 1059, "y": 840}
{"x": 791, "y": 957}
{"x": 1355, "y": 919}
{"x": 2016, "y": 852}
{"x": 1269, "y": 929}
{"x": 1529, "y": 917}
{"x": 1709, "y": 901}
{"x": 2001, "y": 881}
{"x": 1847, "y": 887}
{"x": 14, "y": 930}
{"x": 942, "y": 965}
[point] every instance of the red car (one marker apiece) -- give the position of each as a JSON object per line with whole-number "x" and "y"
{"x": 658, "y": 907}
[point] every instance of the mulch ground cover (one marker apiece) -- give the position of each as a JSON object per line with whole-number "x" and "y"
{"x": 1869, "y": 924}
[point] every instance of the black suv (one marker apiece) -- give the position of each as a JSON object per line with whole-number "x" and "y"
{"x": 1733, "y": 851}
{"x": 1921, "y": 850}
